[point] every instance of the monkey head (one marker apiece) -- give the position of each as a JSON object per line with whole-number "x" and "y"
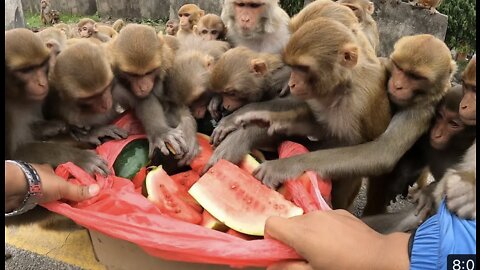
{"x": 361, "y": 8}
{"x": 447, "y": 122}
{"x": 28, "y": 59}
{"x": 468, "y": 110}
{"x": 239, "y": 76}
{"x": 189, "y": 15}
{"x": 138, "y": 58}
{"x": 87, "y": 27}
{"x": 172, "y": 27}
{"x": 83, "y": 75}
{"x": 43, "y": 4}
{"x": 319, "y": 68}
{"x": 210, "y": 27}
{"x": 421, "y": 70}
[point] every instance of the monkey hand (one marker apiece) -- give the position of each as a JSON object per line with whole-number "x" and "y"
{"x": 232, "y": 149}
{"x": 225, "y": 126}
{"x": 274, "y": 172}
{"x": 461, "y": 196}
{"x": 422, "y": 197}
{"x": 91, "y": 162}
{"x": 95, "y": 134}
{"x": 214, "y": 107}
{"x": 192, "y": 151}
{"x": 172, "y": 138}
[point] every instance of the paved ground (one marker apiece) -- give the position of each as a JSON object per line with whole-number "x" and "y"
{"x": 27, "y": 260}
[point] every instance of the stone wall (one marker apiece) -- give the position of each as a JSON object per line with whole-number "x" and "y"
{"x": 396, "y": 20}
{"x": 14, "y": 14}
{"x": 77, "y": 7}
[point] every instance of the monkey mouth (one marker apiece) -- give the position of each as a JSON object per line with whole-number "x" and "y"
{"x": 469, "y": 121}
{"x": 38, "y": 97}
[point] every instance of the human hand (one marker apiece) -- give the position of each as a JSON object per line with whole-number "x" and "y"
{"x": 336, "y": 239}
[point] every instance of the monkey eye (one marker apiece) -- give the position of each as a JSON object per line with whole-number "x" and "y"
{"x": 414, "y": 76}
{"x": 214, "y": 32}
{"x": 240, "y": 4}
{"x": 454, "y": 124}
{"x": 255, "y": 5}
{"x": 303, "y": 69}
{"x": 204, "y": 31}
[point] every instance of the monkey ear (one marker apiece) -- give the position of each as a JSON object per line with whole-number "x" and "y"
{"x": 54, "y": 46}
{"x": 209, "y": 62}
{"x": 201, "y": 13}
{"x": 370, "y": 8}
{"x": 95, "y": 28}
{"x": 258, "y": 67}
{"x": 349, "y": 55}
{"x": 195, "y": 29}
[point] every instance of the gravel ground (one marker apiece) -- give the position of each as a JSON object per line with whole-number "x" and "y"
{"x": 26, "y": 260}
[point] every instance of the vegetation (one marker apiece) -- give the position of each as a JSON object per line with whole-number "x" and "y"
{"x": 461, "y": 31}
{"x": 292, "y": 7}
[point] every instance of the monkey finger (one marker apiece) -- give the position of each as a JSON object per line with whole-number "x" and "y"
{"x": 121, "y": 132}
{"x": 466, "y": 211}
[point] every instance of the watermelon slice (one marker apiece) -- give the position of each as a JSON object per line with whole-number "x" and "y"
{"x": 211, "y": 222}
{"x": 171, "y": 199}
{"x": 238, "y": 200}
{"x": 186, "y": 179}
{"x": 242, "y": 235}
{"x": 131, "y": 159}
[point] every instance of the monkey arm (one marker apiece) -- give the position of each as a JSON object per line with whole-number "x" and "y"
{"x": 189, "y": 127}
{"x": 402, "y": 221}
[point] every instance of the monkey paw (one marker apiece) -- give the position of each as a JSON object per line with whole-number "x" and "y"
{"x": 225, "y": 126}
{"x": 214, "y": 107}
{"x": 261, "y": 118}
{"x": 461, "y": 197}
{"x": 192, "y": 151}
{"x": 94, "y": 135}
{"x": 92, "y": 163}
{"x": 274, "y": 172}
{"x": 172, "y": 140}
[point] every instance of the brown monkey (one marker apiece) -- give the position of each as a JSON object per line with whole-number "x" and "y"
{"x": 53, "y": 38}
{"x": 418, "y": 80}
{"x": 65, "y": 28}
{"x": 347, "y": 108}
{"x": 188, "y": 15}
{"x": 107, "y": 30}
{"x": 364, "y": 9}
{"x": 140, "y": 60}
{"x": 188, "y": 81}
{"x": 47, "y": 14}
{"x": 431, "y": 5}
{"x": 87, "y": 28}
{"x": 171, "y": 28}
{"x": 261, "y": 25}
{"x": 211, "y": 27}
{"x": 81, "y": 96}
{"x": 118, "y": 25}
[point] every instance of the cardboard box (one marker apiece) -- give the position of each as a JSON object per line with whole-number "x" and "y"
{"x": 117, "y": 254}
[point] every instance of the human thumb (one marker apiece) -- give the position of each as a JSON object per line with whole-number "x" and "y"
{"x": 79, "y": 193}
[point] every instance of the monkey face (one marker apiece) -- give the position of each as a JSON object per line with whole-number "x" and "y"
{"x": 86, "y": 30}
{"x": 209, "y": 34}
{"x": 404, "y": 86}
{"x": 299, "y": 83}
{"x": 185, "y": 21}
{"x": 171, "y": 28}
{"x": 35, "y": 81}
{"x": 247, "y": 15}
{"x": 141, "y": 85}
{"x": 468, "y": 111}
{"x": 447, "y": 125}
{"x": 99, "y": 103}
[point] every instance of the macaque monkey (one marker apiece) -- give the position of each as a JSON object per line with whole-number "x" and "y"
{"x": 87, "y": 28}
{"x": 54, "y": 38}
{"x": 140, "y": 60}
{"x": 47, "y": 14}
{"x": 343, "y": 89}
{"x": 188, "y": 15}
{"x": 188, "y": 81}
{"x": 65, "y": 28}
{"x": 459, "y": 183}
{"x": 261, "y": 25}
{"x": 171, "y": 28}
{"x": 84, "y": 102}
{"x": 364, "y": 9}
{"x": 107, "y": 30}
{"x": 431, "y": 5}
{"x": 340, "y": 13}
{"x": 118, "y": 25}
{"x": 210, "y": 27}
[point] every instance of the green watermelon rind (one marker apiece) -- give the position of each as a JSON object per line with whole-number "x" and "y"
{"x": 131, "y": 159}
{"x": 206, "y": 199}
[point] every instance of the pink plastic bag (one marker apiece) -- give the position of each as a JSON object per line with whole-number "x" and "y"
{"x": 121, "y": 212}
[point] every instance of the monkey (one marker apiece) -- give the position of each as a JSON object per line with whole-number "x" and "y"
{"x": 118, "y": 25}
{"x": 87, "y": 28}
{"x": 140, "y": 60}
{"x": 171, "y": 28}
{"x": 261, "y": 25}
{"x": 48, "y": 15}
{"x": 210, "y": 27}
{"x": 431, "y": 5}
{"x": 53, "y": 38}
{"x": 65, "y": 28}
{"x": 188, "y": 15}
{"x": 364, "y": 9}
{"x": 459, "y": 183}
{"x": 340, "y": 13}
{"x": 107, "y": 30}
{"x": 330, "y": 78}
{"x": 188, "y": 81}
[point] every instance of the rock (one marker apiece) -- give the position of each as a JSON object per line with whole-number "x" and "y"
{"x": 14, "y": 14}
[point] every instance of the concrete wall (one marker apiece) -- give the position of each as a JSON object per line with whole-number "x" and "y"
{"x": 210, "y": 6}
{"x": 77, "y": 7}
{"x": 14, "y": 14}
{"x": 397, "y": 20}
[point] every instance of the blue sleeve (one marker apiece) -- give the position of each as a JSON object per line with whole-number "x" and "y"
{"x": 441, "y": 235}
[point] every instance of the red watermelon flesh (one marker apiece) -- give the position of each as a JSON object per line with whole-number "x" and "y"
{"x": 171, "y": 199}
{"x": 238, "y": 200}
{"x": 186, "y": 179}
{"x": 302, "y": 187}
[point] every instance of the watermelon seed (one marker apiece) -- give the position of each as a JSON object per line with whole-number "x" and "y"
{"x": 233, "y": 186}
